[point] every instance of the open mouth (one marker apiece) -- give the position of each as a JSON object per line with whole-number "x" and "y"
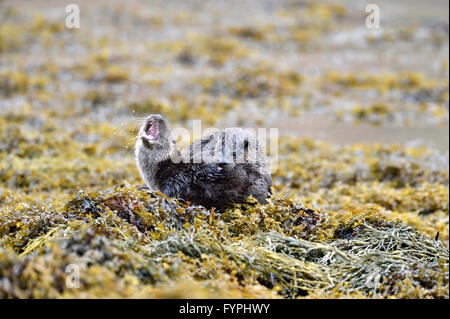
{"x": 152, "y": 131}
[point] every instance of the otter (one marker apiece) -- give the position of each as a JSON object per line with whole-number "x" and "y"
{"x": 221, "y": 168}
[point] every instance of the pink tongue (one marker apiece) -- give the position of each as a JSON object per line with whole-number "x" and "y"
{"x": 153, "y": 131}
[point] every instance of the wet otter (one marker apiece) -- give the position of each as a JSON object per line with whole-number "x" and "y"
{"x": 221, "y": 168}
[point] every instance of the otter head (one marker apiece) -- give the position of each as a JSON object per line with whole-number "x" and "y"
{"x": 155, "y": 138}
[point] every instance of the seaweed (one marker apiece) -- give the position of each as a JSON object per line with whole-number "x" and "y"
{"x": 154, "y": 239}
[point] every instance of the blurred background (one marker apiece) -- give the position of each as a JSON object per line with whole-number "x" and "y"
{"x": 312, "y": 65}
{"x": 72, "y": 98}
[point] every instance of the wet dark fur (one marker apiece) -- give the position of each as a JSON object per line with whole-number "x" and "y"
{"x": 207, "y": 184}
{"x": 202, "y": 184}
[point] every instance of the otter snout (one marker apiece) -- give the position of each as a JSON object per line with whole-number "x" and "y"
{"x": 153, "y": 129}
{"x": 156, "y": 117}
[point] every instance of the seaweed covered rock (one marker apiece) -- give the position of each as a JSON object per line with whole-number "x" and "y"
{"x": 124, "y": 242}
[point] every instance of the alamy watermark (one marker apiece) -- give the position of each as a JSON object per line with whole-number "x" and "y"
{"x": 73, "y": 17}
{"x": 221, "y": 146}
{"x": 73, "y": 276}
{"x": 373, "y": 19}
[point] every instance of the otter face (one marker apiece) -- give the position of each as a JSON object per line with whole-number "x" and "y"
{"x": 154, "y": 132}
{"x": 154, "y": 144}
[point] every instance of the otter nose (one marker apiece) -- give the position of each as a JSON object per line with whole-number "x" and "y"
{"x": 157, "y": 117}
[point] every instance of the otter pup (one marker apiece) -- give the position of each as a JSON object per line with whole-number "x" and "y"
{"x": 221, "y": 168}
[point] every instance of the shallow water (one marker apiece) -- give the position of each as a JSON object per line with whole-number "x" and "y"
{"x": 342, "y": 133}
